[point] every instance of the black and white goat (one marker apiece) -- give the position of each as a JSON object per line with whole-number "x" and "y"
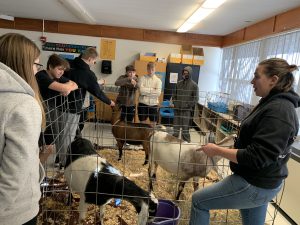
{"x": 98, "y": 182}
{"x": 181, "y": 159}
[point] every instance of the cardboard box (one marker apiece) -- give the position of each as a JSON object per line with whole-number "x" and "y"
{"x": 198, "y": 56}
{"x": 186, "y": 50}
{"x": 187, "y": 59}
{"x": 174, "y": 58}
{"x": 148, "y": 57}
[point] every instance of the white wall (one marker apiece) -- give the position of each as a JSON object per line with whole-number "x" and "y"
{"x": 209, "y": 72}
{"x": 127, "y": 51}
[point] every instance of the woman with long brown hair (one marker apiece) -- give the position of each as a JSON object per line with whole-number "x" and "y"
{"x": 21, "y": 119}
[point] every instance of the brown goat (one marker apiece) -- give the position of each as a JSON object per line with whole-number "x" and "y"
{"x": 131, "y": 133}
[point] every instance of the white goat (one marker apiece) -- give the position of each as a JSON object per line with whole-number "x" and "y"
{"x": 181, "y": 159}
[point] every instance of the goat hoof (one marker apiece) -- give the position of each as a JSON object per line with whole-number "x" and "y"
{"x": 145, "y": 163}
{"x": 119, "y": 159}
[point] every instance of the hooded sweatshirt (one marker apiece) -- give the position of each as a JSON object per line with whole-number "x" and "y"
{"x": 20, "y": 168}
{"x": 265, "y": 139}
{"x": 86, "y": 80}
{"x": 186, "y": 92}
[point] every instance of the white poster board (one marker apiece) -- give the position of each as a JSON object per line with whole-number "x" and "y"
{"x": 173, "y": 78}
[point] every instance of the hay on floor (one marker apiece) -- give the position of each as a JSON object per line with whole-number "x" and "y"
{"x": 54, "y": 209}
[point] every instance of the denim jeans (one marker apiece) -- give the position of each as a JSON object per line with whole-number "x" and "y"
{"x": 234, "y": 192}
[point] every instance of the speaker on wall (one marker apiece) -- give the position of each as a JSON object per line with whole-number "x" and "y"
{"x": 106, "y": 67}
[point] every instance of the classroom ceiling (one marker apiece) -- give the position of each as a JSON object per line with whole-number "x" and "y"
{"x": 156, "y": 14}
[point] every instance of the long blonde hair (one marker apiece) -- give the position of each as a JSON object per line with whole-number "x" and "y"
{"x": 19, "y": 53}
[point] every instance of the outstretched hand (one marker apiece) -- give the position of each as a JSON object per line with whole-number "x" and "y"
{"x": 209, "y": 149}
{"x": 112, "y": 103}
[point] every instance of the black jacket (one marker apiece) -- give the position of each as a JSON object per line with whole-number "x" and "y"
{"x": 86, "y": 80}
{"x": 265, "y": 138}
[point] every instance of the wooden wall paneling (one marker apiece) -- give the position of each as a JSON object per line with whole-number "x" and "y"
{"x": 112, "y": 32}
{"x": 233, "y": 38}
{"x": 204, "y": 40}
{"x": 122, "y": 33}
{"x": 164, "y": 37}
{"x": 261, "y": 29}
{"x": 288, "y": 20}
{"x": 51, "y": 26}
{"x": 79, "y": 29}
{"x": 28, "y": 24}
{"x": 7, "y": 24}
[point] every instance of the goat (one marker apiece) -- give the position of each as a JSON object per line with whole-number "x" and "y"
{"x": 181, "y": 159}
{"x": 98, "y": 182}
{"x": 131, "y": 133}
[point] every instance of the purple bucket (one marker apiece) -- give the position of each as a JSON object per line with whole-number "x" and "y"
{"x": 167, "y": 213}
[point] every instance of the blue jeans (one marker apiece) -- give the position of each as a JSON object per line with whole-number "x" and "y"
{"x": 234, "y": 192}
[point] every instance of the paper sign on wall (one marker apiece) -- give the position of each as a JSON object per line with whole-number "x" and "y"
{"x": 108, "y": 49}
{"x": 173, "y": 78}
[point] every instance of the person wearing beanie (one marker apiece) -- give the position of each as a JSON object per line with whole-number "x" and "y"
{"x": 184, "y": 99}
{"x": 126, "y": 97}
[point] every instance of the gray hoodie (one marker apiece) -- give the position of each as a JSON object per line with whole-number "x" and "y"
{"x": 20, "y": 168}
{"x": 186, "y": 92}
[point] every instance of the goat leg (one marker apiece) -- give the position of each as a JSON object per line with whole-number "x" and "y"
{"x": 146, "y": 160}
{"x": 69, "y": 200}
{"x": 83, "y": 207}
{"x": 196, "y": 183}
{"x": 120, "y": 147}
{"x": 180, "y": 189}
{"x": 102, "y": 209}
{"x": 152, "y": 173}
{"x": 146, "y": 147}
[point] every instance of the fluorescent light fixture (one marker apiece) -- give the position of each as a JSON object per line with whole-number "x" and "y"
{"x": 6, "y": 17}
{"x": 205, "y": 9}
{"x": 199, "y": 15}
{"x": 78, "y": 10}
{"x": 185, "y": 27}
{"x": 212, "y": 4}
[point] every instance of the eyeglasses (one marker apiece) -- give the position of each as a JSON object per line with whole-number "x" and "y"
{"x": 39, "y": 66}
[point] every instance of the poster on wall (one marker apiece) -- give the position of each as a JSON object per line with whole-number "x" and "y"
{"x": 60, "y": 47}
{"x": 173, "y": 78}
{"x": 108, "y": 49}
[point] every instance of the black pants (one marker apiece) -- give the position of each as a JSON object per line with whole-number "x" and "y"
{"x": 83, "y": 118}
{"x": 127, "y": 112}
{"x": 31, "y": 222}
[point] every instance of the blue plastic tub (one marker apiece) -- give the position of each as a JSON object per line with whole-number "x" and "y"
{"x": 220, "y": 107}
{"x": 167, "y": 213}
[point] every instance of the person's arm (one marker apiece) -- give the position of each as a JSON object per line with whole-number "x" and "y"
{"x": 92, "y": 86}
{"x": 212, "y": 150}
{"x": 63, "y": 87}
{"x": 21, "y": 131}
{"x": 151, "y": 91}
{"x": 268, "y": 142}
{"x": 122, "y": 81}
{"x": 195, "y": 97}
